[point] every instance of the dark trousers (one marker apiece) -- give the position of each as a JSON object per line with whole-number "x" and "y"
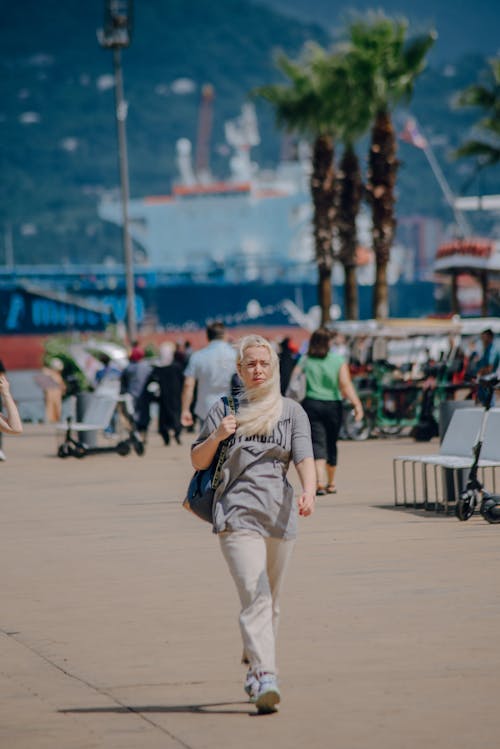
{"x": 325, "y": 418}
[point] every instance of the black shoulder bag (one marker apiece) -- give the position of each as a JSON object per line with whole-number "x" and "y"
{"x": 201, "y": 490}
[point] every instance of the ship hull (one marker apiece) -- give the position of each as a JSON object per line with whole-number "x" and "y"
{"x": 190, "y": 306}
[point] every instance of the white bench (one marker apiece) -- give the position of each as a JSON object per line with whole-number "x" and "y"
{"x": 456, "y": 447}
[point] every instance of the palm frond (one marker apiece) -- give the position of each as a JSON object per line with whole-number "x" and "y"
{"x": 484, "y": 145}
{"x": 485, "y": 154}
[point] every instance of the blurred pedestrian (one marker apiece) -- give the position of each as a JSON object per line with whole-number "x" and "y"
{"x": 54, "y": 387}
{"x": 327, "y": 381}
{"x": 170, "y": 378}
{"x": 134, "y": 381}
{"x": 211, "y": 370}
{"x": 489, "y": 359}
{"x": 488, "y": 363}
{"x": 107, "y": 379}
{"x": 287, "y": 357}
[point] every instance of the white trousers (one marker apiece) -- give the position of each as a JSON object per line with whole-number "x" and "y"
{"x": 257, "y": 565}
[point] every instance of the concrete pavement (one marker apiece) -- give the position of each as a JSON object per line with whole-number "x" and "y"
{"x": 118, "y": 620}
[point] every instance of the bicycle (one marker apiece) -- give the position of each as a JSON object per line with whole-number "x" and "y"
{"x": 389, "y": 406}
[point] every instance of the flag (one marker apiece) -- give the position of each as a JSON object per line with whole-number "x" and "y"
{"x": 411, "y": 134}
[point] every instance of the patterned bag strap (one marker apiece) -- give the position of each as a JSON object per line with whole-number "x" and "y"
{"x": 229, "y": 407}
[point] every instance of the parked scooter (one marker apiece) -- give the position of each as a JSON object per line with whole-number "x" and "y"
{"x": 474, "y": 493}
{"x": 73, "y": 446}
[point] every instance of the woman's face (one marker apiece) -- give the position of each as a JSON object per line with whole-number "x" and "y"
{"x": 255, "y": 367}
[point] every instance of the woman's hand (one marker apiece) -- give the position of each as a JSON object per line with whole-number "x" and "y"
{"x": 307, "y": 476}
{"x": 358, "y": 412}
{"x": 349, "y": 391}
{"x": 306, "y": 503}
{"x": 4, "y": 385}
{"x": 203, "y": 454}
{"x": 226, "y": 428}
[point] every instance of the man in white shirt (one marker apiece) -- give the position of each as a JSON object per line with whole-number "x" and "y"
{"x": 211, "y": 369}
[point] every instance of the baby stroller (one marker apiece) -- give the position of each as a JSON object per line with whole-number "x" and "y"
{"x": 474, "y": 492}
{"x": 97, "y": 417}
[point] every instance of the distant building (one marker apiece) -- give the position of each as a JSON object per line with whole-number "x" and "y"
{"x": 421, "y": 236}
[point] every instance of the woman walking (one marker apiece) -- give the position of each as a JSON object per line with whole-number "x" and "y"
{"x": 255, "y": 514}
{"x": 327, "y": 381}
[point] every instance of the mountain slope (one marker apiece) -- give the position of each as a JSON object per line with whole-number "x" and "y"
{"x": 58, "y": 151}
{"x": 464, "y": 27}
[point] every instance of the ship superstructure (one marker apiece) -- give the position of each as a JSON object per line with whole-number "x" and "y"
{"x": 254, "y": 224}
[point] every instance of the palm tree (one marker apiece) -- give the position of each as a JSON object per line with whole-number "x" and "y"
{"x": 397, "y": 62}
{"x": 349, "y": 196}
{"x": 484, "y": 146}
{"x": 351, "y": 76}
{"x": 300, "y": 108}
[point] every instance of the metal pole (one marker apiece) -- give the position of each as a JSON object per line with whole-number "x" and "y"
{"x": 455, "y": 306}
{"x": 121, "y": 116}
{"x": 462, "y": 222}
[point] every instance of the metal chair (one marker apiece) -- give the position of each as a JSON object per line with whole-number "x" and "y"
{"x": 490, "y": 458}
{"x": 457, "y": 445}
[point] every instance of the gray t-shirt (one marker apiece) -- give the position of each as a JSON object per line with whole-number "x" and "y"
{"x": 254, "y": 493}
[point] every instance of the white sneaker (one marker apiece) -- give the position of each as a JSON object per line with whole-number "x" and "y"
{"x": 251, "y": 685}
{"x": 269, "y": 694}
{"x": 2, "y": 455}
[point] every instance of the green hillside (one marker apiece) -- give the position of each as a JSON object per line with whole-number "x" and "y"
{"x": 465, "y": 27}
{"x": 58, "y": 153}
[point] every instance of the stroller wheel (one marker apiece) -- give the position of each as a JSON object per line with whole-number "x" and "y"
{"x": 466, "y": 504}
{"x": 123, "y": 448}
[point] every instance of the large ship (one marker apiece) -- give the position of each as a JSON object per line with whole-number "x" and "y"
{"x": 250, "y": 234}
{"x": 238, "y": 249}
{"x": 253, "y": 225}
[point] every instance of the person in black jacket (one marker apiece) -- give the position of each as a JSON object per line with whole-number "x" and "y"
{"x": 134, "y": 380}
{"x": 170, "y": 378}
{"x": 288, "y": 358}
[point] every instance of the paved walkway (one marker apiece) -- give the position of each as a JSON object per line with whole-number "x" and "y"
{"x": 118, "y": 620}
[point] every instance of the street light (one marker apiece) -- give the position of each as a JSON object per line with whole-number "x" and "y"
{"x": 116, "y": 35}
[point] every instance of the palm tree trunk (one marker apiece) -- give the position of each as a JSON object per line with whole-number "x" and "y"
{"x": 483, "y": 280}
{"x": 324, "y": 293}
{"x": 349, "y": 199}
{"x": 381, "y": 300}
{"x": 382, "y": 171}
{"x": 322, "y": 192}
{"x": 351, "y": 303}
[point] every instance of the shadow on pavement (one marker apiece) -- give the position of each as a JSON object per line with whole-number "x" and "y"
{"x": 428, "y": 513}
{"x": 204, "y": 709}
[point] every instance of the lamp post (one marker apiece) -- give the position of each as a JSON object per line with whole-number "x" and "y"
{"x": 116, "y": 35}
